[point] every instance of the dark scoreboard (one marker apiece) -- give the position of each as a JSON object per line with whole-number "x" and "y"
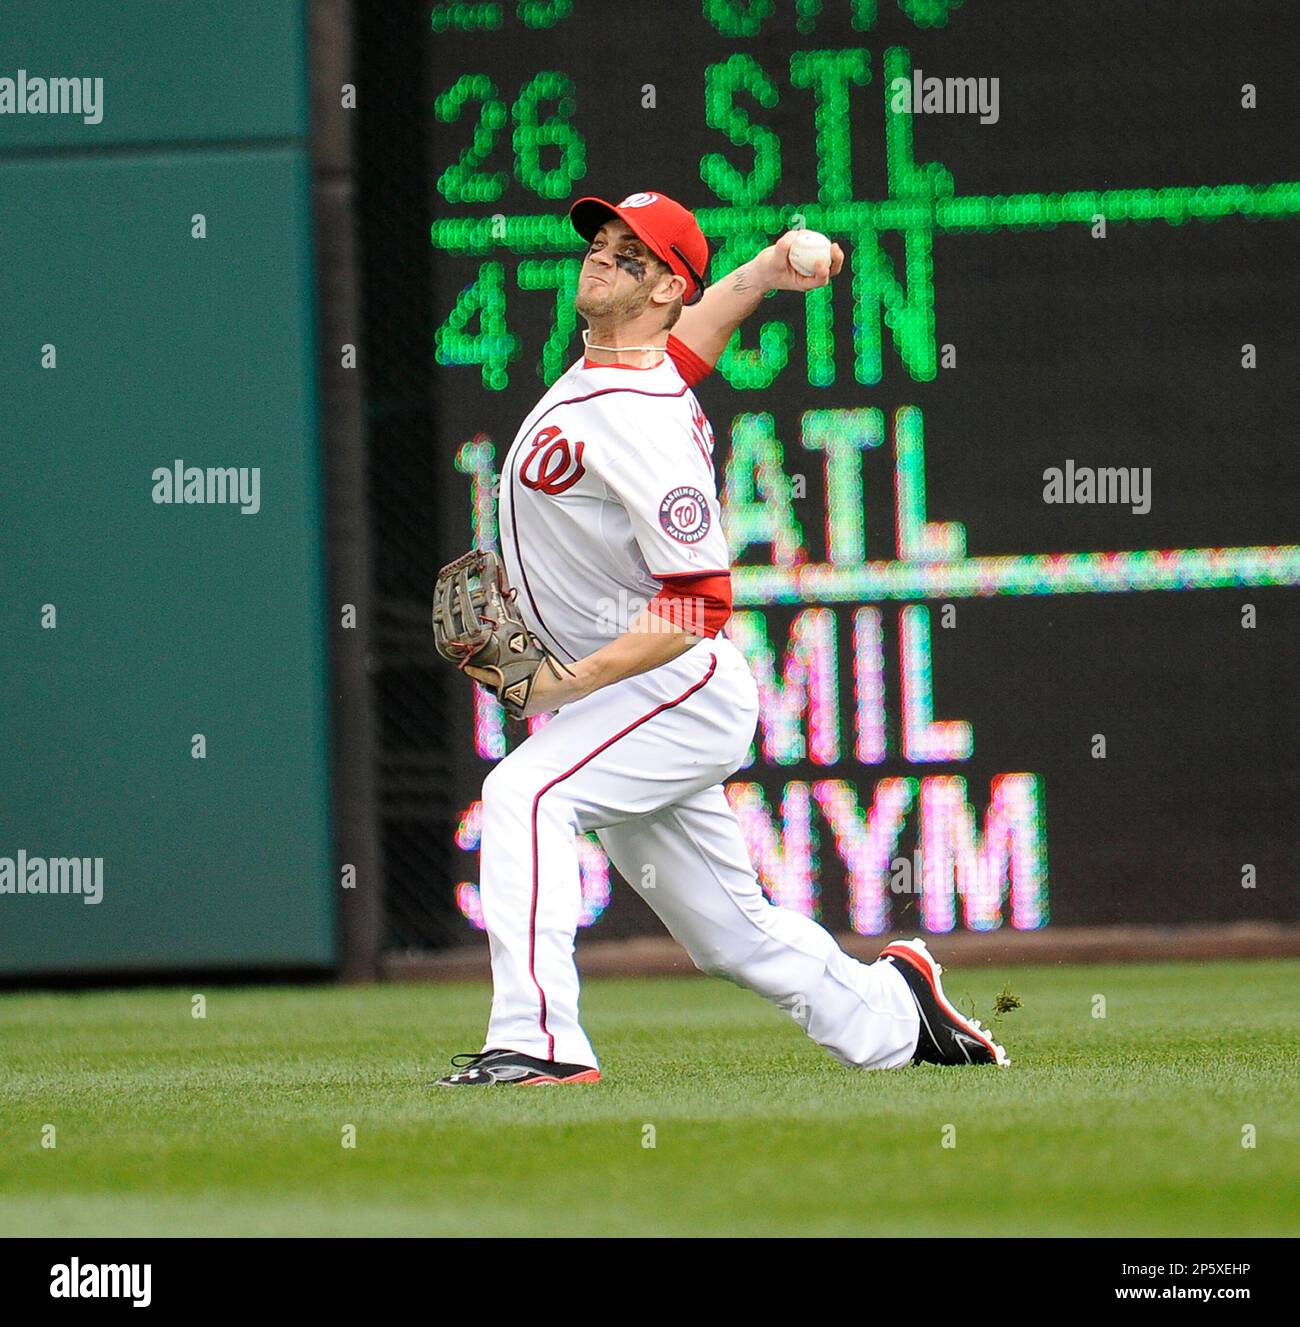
{"x": 1013, "y": 504}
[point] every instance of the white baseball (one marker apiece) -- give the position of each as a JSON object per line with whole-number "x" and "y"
{"x": 809, "y": 247}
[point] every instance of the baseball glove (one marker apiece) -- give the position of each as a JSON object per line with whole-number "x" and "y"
{"x": 475, "y": 622}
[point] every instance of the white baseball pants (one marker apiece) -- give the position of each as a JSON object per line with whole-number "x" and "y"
{"x": 642, "y": 763}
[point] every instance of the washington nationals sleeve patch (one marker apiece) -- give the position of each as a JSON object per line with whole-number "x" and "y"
{"x": 684, "y": 514}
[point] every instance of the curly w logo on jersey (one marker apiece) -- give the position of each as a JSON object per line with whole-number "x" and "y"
{"x": 549, "y": 467}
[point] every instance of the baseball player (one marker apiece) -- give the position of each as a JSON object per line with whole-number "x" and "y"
{"x": 612, "y": 540}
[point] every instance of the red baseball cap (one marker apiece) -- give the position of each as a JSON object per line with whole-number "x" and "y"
{"x": 670, "y": 231}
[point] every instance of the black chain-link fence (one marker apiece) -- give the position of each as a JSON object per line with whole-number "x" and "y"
{"x": 408, "y": 498}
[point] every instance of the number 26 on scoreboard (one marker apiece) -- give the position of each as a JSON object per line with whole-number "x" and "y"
{"x": 467, "y": 180}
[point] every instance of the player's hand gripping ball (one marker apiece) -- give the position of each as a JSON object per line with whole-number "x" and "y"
{"x": 809, "y": 248}
{"x": 801, "y": 260}
{"x": 476, "y": 624}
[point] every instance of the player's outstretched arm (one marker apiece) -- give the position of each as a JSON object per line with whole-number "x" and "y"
{"x": 649, "y": 641}
{"x": 706, "y": 327}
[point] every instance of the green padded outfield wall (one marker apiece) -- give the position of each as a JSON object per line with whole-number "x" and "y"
{"x": 130, "y": 626}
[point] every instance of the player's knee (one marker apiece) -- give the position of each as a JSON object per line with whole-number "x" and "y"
{"x": 720, "y": 960}
{"x": 749, "y": 968}
{"x": 709, "y": 961}
{"x": 515, "y": 791}
{"x": 506, "y": 790}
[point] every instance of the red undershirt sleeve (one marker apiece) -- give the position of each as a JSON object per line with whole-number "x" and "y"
{"x": 698, "y": 604}
{"x": 692, "y": 368}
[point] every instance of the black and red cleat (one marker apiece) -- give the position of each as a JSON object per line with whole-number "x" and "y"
{"x": 946, "y": 1037}
{"x": 494, "y": 1068}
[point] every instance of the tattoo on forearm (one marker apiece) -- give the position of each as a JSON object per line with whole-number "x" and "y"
{"x": 743, "y": 280}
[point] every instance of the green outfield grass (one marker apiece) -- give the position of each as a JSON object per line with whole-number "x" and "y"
{"x": 233, "y": 1125}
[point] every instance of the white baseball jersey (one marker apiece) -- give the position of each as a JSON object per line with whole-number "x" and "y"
{"x": 607, "y": 487}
